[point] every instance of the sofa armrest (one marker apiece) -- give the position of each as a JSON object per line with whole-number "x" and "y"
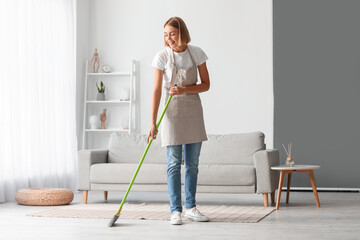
{"x": 267, "y": 180}
{"x": 85, "y": 158}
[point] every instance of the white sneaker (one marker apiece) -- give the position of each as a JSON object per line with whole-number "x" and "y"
{"x": 175, "y": 218}
{"x": 195, "y": 215}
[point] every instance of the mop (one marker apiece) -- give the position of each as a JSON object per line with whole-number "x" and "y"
{"x": 117, "y": 214}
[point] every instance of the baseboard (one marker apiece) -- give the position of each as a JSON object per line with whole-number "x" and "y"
{"x": 321, "y": 189}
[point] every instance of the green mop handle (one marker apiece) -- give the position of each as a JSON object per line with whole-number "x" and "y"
{"x": 142, "y": 159}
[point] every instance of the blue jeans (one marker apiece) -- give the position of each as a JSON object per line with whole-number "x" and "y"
{"x": 191, "y": 159}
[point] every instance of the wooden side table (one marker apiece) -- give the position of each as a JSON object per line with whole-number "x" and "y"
{"x": 289, "y": 170}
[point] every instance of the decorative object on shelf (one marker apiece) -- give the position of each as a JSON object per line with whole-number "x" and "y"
{"x": 125, "y": 123}
{"x": 289, "y": 160}
{"x": 95, "y": 61}
{"x": 93, "y": 121}
{"x": 106, "y": 68}
{"x": 124, "y": 94}
{"x": 103, "y": 118}
{"x": 101, "y": 91}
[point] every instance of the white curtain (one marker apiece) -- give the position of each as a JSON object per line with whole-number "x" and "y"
{"x": 37, "y": 95}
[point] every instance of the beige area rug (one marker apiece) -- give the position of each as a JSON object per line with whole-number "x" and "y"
{"x": 216, "y": 213}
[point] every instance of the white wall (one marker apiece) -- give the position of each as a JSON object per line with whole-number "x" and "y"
{"x": 235, "y": 34}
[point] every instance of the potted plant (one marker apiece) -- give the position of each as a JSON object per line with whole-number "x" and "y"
{"x": 101, "y": 91}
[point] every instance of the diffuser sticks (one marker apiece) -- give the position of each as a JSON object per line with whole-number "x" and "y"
{"x": 289, "y": 160}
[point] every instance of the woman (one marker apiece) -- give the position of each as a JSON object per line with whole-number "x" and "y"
{"x": 183, "y": 124}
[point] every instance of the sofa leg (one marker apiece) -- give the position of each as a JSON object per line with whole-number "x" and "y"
{"x": 273, "y": 197}
{"x": 105, "y": 195}
{"x": 265, "y": 196}
{"x": 85, "y": 196}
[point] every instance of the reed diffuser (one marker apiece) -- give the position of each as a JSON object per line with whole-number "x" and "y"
{"x": 289, "y": 160}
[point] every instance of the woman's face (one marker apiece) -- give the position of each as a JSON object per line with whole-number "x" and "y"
{"x": 171, "y": 36}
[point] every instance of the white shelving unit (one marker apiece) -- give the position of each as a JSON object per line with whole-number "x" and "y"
{"x": 117, "y": 105}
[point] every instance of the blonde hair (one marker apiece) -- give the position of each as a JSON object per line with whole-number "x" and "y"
{"x": 179, "y": 24}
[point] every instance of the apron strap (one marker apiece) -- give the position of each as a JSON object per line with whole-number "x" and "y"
{"x": 173, "y": 68}
{"x": 172, "y": 60}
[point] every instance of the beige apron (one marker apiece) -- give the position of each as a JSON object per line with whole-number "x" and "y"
{"x": 183, "y": 121}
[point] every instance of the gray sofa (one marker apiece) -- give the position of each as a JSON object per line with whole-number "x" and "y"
{"x": 232, "y": 163}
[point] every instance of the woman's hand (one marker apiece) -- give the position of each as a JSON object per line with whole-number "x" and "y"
{"x": 176, "y": 91}
{"x": 152, "y": 133}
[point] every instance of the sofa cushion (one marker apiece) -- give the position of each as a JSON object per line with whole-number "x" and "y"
{"x": 226, "y": 175}
{"x": 129, "y": 148}
{"x": 215, "y": 175}
{"x": 123, "y": 172}
{"x": 219, "y": 149}
{"x": 231, "y": 148}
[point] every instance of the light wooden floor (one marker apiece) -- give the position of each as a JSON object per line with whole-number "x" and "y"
{"x": 337, "y": 218}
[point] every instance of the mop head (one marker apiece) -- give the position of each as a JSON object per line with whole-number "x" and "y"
{"x": 113, "y": 220}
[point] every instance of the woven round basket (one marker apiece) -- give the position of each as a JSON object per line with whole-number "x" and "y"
{"x": 44, "y": 196}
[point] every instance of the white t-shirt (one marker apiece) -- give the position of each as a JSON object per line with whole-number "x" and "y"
{"x": 162, "y": 59}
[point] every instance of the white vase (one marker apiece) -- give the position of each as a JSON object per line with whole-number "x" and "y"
{"x": 94, "y": 121}
{"x": 124, "y": 94}
{"x": 125, "y": 123}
